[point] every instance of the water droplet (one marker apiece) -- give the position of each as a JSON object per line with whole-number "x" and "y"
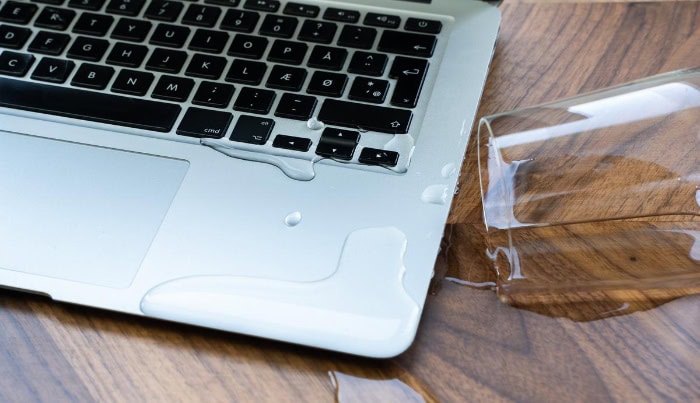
{"x": 435, "y": 194}
{"x": 292, "y": 219}
{"x": 448, "y": 170}
{"x": 315, "y": 124}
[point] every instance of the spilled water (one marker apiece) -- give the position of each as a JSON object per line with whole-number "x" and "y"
{"x": 401, "y": 388}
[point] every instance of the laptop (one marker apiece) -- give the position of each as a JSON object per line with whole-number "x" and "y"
{"x": 281, "y": 169}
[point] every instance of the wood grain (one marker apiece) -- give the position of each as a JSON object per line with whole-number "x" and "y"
{"x": 470, "y": 346}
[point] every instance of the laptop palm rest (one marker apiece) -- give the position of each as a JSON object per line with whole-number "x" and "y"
{"x": 78, "y": 212}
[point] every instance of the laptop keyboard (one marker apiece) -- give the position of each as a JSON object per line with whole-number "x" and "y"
{"x": 224, "y": 69}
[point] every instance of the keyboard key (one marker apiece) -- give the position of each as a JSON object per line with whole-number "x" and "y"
{"x": 213, "y": 94}
{"x": 125, "y": 7}
{"x": 50, "y": 43}
{"x": 240, "y": 21}
{"x": 55, "y": 18}
{"x": 12, "y": 37}
{"x": 201, "y": 16}
{"x": 252, "y": 129}
{"x": 339, "y": 14}
{"x": 278, "y": 26}
{"x": 287, "y": 52}
{"x": 369, "y": 90}
{"x": 132, "y": 82}
{"x": 369, "y": 64}
{"x": 53, "y": 70}
{"x": 15, "y": 64}
{"x": 246, "y": 72}
{"x": 92, "y": 5}
{"x": 88, "y": 105}
{"x": 91, "y": 49}
{"x": 18, "y": 13}
{"x": 338, "y": 143}
{"x": 317, "y": 31}
{"x": 164, "y": 10}
{"x": 170, "y": 35}
{"x": 382, "y": 20}
{"x": 357, "y": 37}
{"x": 205, "y": 40}
{"x": 286, "y": 78}
{"x": 334, "y": 135}
{"x": 172, "y": 88}
{"x": 409, "y": 74}
{"x": 251, "y": 47}
{"x": 365, "y": 117}
{"x": 407, "y": 43}
{"x": 129, "y": 29}
{"x": 301, "y": 10}
{"x": 328, "y": 84}
{"x": 206, "y": 66}
{"x": 93, "y": 24}
{"x": 199, "y": 122}
{"x": 254, "y": 100}
{"x": 52, "y": 2}
{"x": 228, "y": 3}
{"x": 262, "y": 5}
{"x": 126, "y": 54}
{"x": 373, "y": 156}
{"x": 324, "y": 57}
{"x": 423, "y": 25}
{"x": 166, "y": 60}
{"x": 292, "y": 143}
{"x": 92, "y": 76}
{"x": 295, "y": 106}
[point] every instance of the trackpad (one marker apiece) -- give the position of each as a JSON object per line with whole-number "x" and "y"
{"x": 80, "y": 212}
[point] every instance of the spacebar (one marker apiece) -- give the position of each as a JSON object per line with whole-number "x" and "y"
{"x": 367, "y": 117}
{"x": 88, "y": 105}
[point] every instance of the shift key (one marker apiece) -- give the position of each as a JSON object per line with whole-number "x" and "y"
{"x": 365, "y": 117}
{"x": 199, "y": 122}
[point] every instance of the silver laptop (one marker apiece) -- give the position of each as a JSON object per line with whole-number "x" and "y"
{"x": 273, "y": 168}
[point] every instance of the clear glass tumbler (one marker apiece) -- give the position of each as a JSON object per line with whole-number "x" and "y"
{"x": 596, "y": 192}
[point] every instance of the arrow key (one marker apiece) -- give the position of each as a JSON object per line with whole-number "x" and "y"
{"x": 291, "y": 143}
{"x": 373, "y": 156}
{"x": 341, "y": 151}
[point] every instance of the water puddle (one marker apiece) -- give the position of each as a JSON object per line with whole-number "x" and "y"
{"x": 402, "y": 388}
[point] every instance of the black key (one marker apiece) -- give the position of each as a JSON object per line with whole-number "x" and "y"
{"x": 93, "y": 24}
{"x": 373, "y": 156}
{"x": 407, "y": 43}
{"x": 262, "y": 5}
{"x": 340, "y": 136}
{"x": 92, "y": 5}
{"x": 18, "y": 13}
{"x": 339, "y": 14}
{"x": 199, "y": 122}
{"x": 170, "y": 35}
{"x": 324, "y": 57}
{"x": 166, "y": 60}
{"x": 246, "y": 72}
{"x": 172, "y": 88}
{"x": 53, "y": 70}
{"x": 369, "y": 64}
{"x": 251, "y": 47}
{"x": 328, "y": 84}
{"x": 279, "y": 26}
{"x": 164, "y": 10}
{"x": 205, "y": 40}
{"x": 213, "y": 94}
{"x": 301, "y": 10}
{"x": 317, "y": 31}
{"x": 50, "y": 43}
{"x": 240, "y": 21}
{"x": 286, "y": 78}
{"x": 132, "y": 82}
{"x": 382, "y": 20}
{"x": 201, "y": 16}
{"x": 129, "y": 29}
{"x": 409, "y": 74}
{"x": 52, "y": 2}
{"x": 125, "y": 7}
{"x": 228, "y": 3}
{"x": 252, "y": 129}
{"x": 128, "y": 55}
{"x": 206, "y": 66}
{"x": 423, "y": 25}
{"x": 292, "y": 143}
{"x": 287, "y": 52}
{"x": 90, "y": 49}
{"x": 15, "y": 64}
{"x": 295, "y": 106}
{"x": 338, "y": 143}
{"x": 365, "y": 117}
{"x": 357, "y": 37}
{"x": 88, "y": 105}
{"x": 92, "y": 76}
{"x": 369, "y": 90}
{"x": 55, "y": 18}
{"x": 338, "y": 151}
{"x": 254, "y": 100}
{"x": 12, "y": 37}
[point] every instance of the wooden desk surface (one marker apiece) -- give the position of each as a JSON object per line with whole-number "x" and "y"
{"x": 470, "y": 346}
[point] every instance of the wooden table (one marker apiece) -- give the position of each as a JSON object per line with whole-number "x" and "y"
{"x": 470, "y": 346}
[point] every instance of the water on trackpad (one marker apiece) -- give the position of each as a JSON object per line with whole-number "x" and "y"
{"x": 79, "y": 212}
